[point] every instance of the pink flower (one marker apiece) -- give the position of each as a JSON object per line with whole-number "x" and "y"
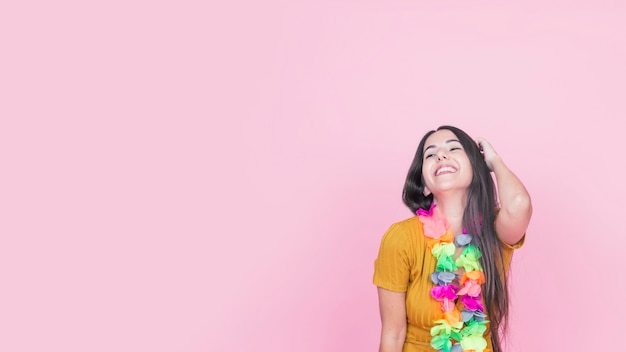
{"x": 447, "y": 305}
{"x": 429, "y": 212}
{"x": 473, "y": 303}
{"x": 470, "y": 288}
{"x": 445, "y": 291}
{"x": 435, "y": 225}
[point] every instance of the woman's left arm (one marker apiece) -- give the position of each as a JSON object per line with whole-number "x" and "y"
{"x": 515, "y": 204}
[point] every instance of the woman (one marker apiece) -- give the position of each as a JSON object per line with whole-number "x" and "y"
{"x": 442, "y": 275}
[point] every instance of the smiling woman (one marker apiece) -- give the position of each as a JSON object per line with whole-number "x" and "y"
{"x": 445, "y": 164}
{"x": 442, "y": 274}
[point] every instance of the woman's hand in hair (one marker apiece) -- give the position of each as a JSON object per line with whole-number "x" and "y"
{"x": 489, "y": 153}
{"x": 515, "y": 204}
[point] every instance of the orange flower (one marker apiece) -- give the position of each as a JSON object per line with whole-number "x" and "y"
{"x": 453, "y": 316}
{"x": 477, "y": 275}
{"x": 448, "y": 237}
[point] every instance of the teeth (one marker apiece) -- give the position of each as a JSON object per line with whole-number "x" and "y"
{"x": 445, "y": 169}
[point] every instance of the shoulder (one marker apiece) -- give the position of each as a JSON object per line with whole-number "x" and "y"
{"x": 408, "y": 230}
{"x": 412, "y": 224}
{"x": 401, "y": 244}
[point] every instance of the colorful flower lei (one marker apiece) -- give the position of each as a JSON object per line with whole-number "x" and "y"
{"x": 467, "y": 326}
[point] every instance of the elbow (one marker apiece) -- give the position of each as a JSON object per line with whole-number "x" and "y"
{"x": 392, "y": 337}
{"x": 392, "y": 342}
{"x": 395, "y": 336}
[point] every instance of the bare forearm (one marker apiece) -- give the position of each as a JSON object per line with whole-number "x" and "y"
{"x": 393, "y": 319}
{"x": 391, "y": 343}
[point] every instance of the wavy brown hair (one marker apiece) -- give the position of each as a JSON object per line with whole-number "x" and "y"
{"x": 478, "y": 218}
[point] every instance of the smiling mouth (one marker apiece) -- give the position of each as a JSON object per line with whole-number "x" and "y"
{"x": 445, "y": 170}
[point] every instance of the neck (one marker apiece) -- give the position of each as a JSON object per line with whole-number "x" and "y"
{"x": 452, "y": 208}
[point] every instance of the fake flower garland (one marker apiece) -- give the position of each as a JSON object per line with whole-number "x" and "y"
{"x": 465, "y": 327}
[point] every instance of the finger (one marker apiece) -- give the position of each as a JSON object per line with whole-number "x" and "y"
{"x": 479, "y": 142}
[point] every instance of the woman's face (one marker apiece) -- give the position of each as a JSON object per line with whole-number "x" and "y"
{"x": 445, "y": 165}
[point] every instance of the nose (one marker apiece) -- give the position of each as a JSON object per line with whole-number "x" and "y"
{"x": 442, "y": 155}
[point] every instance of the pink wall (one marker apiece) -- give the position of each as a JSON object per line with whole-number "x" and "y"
{"x": 188, "y": 177}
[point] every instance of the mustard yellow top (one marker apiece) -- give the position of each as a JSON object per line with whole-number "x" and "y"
{"x": 404, "y": 264}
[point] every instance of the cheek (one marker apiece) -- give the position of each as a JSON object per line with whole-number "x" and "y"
{"x": 425, "y": 168}
{"x": 470, "y": 174}
{"x": 427, "y": 179}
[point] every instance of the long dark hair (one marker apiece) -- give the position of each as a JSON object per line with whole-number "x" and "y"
{"x": 478, "y": 218}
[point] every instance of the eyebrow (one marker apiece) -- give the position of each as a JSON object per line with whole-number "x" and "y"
{"x": 434, "y": 146}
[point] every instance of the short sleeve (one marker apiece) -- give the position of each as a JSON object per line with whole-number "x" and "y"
{"x": 517, "y": 245}
{"x": 392, "y": 266}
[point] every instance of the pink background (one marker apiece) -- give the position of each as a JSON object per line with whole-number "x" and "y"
{"x": 178, "y": 176}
